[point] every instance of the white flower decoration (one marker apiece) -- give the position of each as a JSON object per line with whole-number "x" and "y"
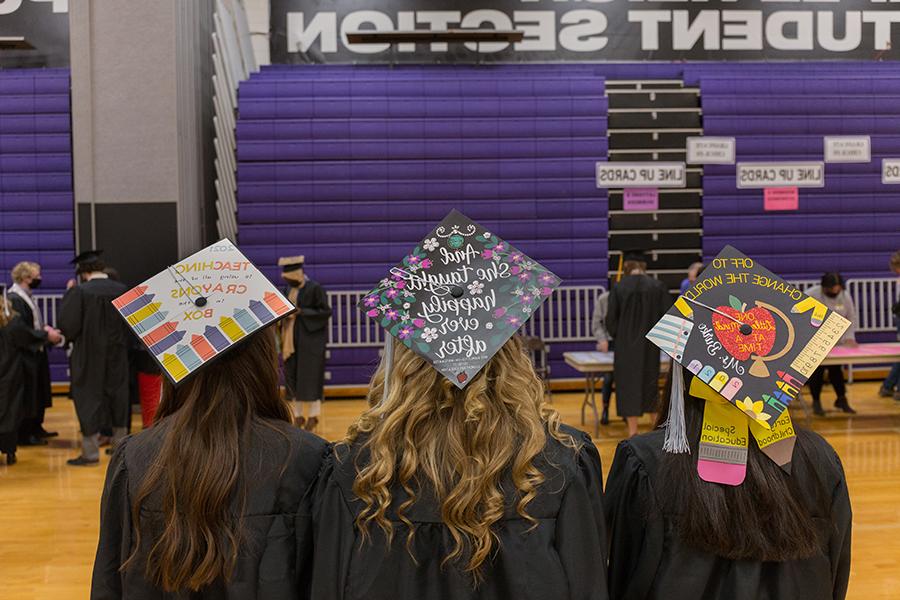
{"x": 526, "y": 309}
{"x": 488, "y": 325}
{"x": 528, "y": 265}
{"x": 404, "y": 317}
{"x": 406, "y": 305}
{"x": 384, "y": 307}
{"x": 487, "y": 234}
{"x": 385, "y": 282}
{"x": 476, "y": 287}
{"x": 535, "y": 291}
{"x": 496, "y": 258}
{"x": 518, "y": 291}
{"x": 431, "y": 244}
{"x": 429, "y": 334}
{"x": 413, "y": 268}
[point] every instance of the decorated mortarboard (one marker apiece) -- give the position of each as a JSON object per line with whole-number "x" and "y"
{"x": 291, "y": 263}
{"x": 750, "y": 340}
{"x": 197, "y": 309}
{"x": 86, "y": 256}
{"x": 458, "y": 296}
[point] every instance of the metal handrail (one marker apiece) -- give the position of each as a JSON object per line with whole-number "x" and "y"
{"x": 564, "y": 317}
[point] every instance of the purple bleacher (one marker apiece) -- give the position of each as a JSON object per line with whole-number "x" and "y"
{"x": 36, "y": 203}
{"x": 352, "y": 166}
{"x": 781, "y": 111}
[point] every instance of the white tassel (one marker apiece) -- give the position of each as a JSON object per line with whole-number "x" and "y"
{"x": 388, "y": 366}
{"x": 676, "y": 432}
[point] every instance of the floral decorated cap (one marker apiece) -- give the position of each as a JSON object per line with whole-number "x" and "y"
{"x": 459, "y": 296}
{"x": 751, "y": 340}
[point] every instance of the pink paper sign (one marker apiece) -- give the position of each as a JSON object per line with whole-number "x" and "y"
{"x": 781, "y": 198}
{"x": 641, "y": 199}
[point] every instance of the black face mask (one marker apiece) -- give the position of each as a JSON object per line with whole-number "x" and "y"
{"x": 831, "y": 294}
{"x": 35, "y": 283}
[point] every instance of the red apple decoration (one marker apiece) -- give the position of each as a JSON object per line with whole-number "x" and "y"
{"x": 738, "y": 345}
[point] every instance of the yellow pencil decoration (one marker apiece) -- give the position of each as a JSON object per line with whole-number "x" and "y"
{"x": 137, "y": 317}
{"x": 230, "y": 328}
{"x": 174, "y": 366}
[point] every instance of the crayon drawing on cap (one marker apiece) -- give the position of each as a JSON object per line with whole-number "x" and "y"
{"x": 195, "y": 310}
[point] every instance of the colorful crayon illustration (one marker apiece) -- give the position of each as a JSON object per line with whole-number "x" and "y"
{"x": 143, "y": 313}
{"x": 135, "y": 305}
{"x": 808, "y": 304}
{"x": 731, "y": 390}
{"x": 174, "y": 366}
{"x": 150, "y": 322}
{"x": 167, "y": 342}
{"x": 706, "y": 374}
{"x": 230, "y": 328}
{"x": 244, "y": 319}
{"x": 695, "y": 366}
{"x": 188, "y": 357}
{"x": 202, "y": 347}
{"x": 160, "y": 332}
{"x": 128, "y": 296}
{"x": 262, "y": 313}
{"x": 275, "y": 302}
{"x": 216, "y": 338}
{"x": 719, "y": 381}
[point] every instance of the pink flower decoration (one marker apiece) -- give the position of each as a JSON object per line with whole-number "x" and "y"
{"x": 405, "y": 332}
{"x": 499, "y": 247}
{"x": 514, "y": 321}
{"x": 400, "y": 285}
{"x": 546, "y": 278}
{"x": 486, "y": 254}
{"x": 524, "y": 276}
{"x": 371, "y": 300}
{"x": 546, "y": 291}
{"x": 372, "y": 313}
{"x": 515, "y": 270}
{"x": 499, "y": 312}
{"x": 391, "y": 314}
{"x": 526, "y": 298}
{"x": 419, "y": 323}
{"x": 413, "y": 259}
{"x": 515, "y": 257}
{"x": 426, "y": 264}
{"x": 391, "y": 293}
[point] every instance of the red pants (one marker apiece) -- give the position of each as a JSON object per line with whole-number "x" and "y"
{"x": 150, "y": 390}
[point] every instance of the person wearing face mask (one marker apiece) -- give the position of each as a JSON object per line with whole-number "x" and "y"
{"x": 36, "y": 367}
{"x": 303, "y": 337}
{"x": 833, "y": 294}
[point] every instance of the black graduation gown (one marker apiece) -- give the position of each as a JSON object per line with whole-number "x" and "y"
{"x": 648, "y": 561}
{"x": 15, "y": 337}
{"x": 562, "y": 557}
{"x": 305, "y": 369}
{"x": 274, "y": 562}
{"x": 36, "y": 365}
{"x": 636, "y": 303}
{"x": 99, "y": 360}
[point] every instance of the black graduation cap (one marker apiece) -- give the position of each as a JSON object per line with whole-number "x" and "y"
{"x": 636, "y": 256}
{"x": 86, "y": 256}
{"x": 291, "y": 263}
{"x": 458, "y": 296}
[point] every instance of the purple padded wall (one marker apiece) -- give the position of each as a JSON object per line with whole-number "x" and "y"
{"x": 782, "y": 112}
{"x": 352, "y": 166}
{"x": 36, "y": 203}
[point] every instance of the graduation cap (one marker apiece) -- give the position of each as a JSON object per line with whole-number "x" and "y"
{"x": 750, "y": 340}
{"x": 86, "y": 257}
{"x": 199, "y": 308}
{"x": 291, "y": 263}
{"x": 457, "y": 297}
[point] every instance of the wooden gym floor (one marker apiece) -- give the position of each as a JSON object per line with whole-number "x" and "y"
{"x": 49, "y": 512}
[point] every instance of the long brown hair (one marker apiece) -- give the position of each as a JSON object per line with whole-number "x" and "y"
{"x": 198, "y": 471}
{"x": 766, "y": 518}
{"x": 462, "y": 441}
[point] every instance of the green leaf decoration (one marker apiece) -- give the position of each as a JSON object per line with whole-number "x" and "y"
{"x": 385, "y": 322}
{"x": 735, "y": 303}
{"x": 423, "y": 347}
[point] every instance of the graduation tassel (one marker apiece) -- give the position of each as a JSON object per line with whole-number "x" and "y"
{"x": 676, "y": 432}
{"x": 388, "y": 366}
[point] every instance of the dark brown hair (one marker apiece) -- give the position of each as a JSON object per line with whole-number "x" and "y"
{"x": 198, "y": 471}
{"x": 766, "y": 518}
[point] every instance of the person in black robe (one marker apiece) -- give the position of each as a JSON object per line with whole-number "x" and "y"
{"x": 251, "y": 438}
{"x": 636, "y": 303}
{"x": 15, "y": 337}
{"x": 303, "y": 340}
{"x": 558, "y": 552}
{"x": 37, "y": 395}
{"x": 99, "y": 359}
{"x": 649, "y": 493}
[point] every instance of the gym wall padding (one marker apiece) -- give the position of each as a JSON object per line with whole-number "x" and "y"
{"x": 352, "y": 167}
{"x": 36, "y": 204}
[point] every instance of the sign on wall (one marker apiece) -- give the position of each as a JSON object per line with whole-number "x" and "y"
{"x": 641, "y": 175}
{"x": 576, "y": 30}
{"x": 41, "y": 24}
{"x": 759, "y": 175}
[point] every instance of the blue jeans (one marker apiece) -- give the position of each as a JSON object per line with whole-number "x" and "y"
{"x": 893, "y": 378}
